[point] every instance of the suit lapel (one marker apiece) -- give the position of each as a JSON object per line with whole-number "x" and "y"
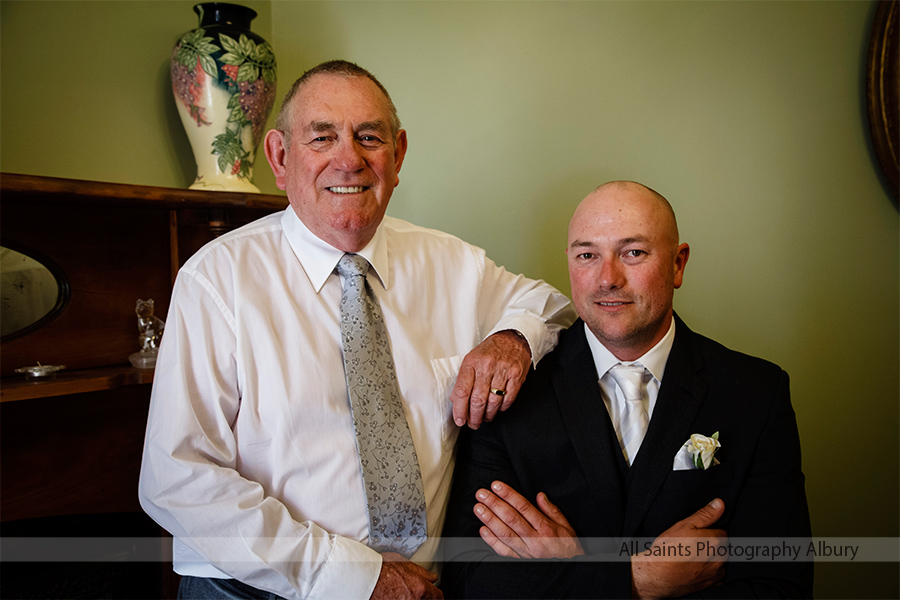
{"x": 587, "y": 421}
{"x": 680, "y": 398}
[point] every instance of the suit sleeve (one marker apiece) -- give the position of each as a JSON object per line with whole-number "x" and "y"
{"x": 770, "y": 508}
{"x": 472, "y": 569}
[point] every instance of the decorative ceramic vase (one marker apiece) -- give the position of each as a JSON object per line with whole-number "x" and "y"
{"x": 223, "y": 78}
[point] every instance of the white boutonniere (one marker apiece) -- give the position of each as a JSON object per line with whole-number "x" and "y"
{"x": 703, "y": 450}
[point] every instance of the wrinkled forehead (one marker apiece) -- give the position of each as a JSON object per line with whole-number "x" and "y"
{"x": 340, "y": 100}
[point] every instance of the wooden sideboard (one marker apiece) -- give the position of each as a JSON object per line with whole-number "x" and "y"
{"x": 70, "y": 448}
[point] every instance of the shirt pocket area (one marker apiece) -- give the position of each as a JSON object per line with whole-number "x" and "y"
{"x": 716, "y": 477}
{"x": 445, "y": 371}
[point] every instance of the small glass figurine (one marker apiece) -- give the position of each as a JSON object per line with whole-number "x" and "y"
{"x": 151, "y": 330}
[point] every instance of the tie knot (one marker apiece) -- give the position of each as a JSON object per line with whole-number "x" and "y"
{"x": 630, "y": 379}
{"x": 353, "y": 265}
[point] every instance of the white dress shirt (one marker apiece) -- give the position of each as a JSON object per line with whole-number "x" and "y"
{"x": 654, "y": 360}
{"x": 250, "y": 458}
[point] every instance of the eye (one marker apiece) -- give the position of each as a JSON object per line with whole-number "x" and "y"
{"x": 370, "y": 141}
{"x": 320, "y": 143}
{"x": 635, "y": 253}
{"x": 586, "y": 255}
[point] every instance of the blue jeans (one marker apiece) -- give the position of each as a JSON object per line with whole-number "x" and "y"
{"x": 202, "y": 588}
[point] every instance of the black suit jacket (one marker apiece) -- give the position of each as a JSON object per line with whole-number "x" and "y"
{"x": 558, "y": 438}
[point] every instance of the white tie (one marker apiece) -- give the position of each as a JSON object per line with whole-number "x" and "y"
{"x": 633, "y": 424}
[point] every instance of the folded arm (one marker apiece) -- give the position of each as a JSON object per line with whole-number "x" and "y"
{"x": 472, "y": 569}
{"x": 515, "y": 528}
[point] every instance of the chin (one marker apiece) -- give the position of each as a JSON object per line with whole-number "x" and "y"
{"x": 355, "y": 221}
{"x": 618, "y": 333}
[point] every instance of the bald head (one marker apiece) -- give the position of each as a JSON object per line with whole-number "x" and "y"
{"x": 625, "y": 194}
{"x": 625, "y": 263}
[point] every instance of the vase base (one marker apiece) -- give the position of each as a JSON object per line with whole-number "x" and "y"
{"x": 225, "y": 185}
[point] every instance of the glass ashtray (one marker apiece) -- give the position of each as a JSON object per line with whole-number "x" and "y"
{"x": 41, "y": 372}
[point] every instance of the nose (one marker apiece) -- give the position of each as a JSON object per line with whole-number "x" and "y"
{"x": 348, "y": 156}
{"x": 612, "y": 277}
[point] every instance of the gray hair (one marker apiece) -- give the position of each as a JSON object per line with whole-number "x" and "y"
{"x": 342, "y": 68}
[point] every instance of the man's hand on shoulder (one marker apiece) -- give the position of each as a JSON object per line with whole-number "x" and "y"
{"x": 654, "y": 575}
{"x": 401, "y": 579}
{"x": 499, "y": 363}
{"x": 515, "y": 528}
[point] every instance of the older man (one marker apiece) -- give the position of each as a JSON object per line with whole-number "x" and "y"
{"x": 619, "y": 426}
{"x": 301, "y": 430}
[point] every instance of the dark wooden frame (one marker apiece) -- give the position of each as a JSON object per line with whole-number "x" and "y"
{"x": 883, "y": 91}
{"x": 64, "y": 290}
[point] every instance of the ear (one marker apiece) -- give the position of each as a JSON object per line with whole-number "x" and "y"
{"x": 682, "y": 253}
{"x": 399, "y": 152}
{"x": 276, "y": 154}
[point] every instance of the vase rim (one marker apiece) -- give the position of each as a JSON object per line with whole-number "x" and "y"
{"x": 213, "y": 11}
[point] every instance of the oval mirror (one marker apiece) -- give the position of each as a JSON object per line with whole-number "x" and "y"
{"x": 32, "y": 292}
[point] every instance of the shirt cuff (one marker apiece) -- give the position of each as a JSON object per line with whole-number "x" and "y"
{"x": 352, "y": 571}
{"x": 532, "y": 328}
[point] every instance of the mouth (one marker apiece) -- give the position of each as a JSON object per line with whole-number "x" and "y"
{"x": 611, "y": 303}
{"x": 347, "y": 189}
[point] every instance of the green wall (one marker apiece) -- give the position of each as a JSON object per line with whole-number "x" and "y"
{"x": 748, "y": 116}
{"x": 85, "y": 90}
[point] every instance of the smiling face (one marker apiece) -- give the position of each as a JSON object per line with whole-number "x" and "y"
{"x": 624, "y": 265}
{"x": 340, "y": 160}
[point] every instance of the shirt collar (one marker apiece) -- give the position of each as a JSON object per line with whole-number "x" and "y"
{"x": 319, "y": 259}
{"x": 654, "y": 360}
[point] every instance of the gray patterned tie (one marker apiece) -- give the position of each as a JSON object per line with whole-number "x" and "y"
{"x": 633, "y": 425}
{"x": 390, "y": 468}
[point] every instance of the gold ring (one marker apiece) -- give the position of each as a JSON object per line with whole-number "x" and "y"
{"x": 500, "y": 393}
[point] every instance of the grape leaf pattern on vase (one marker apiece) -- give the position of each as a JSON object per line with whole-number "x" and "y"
{"x": 246, "y": 71}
